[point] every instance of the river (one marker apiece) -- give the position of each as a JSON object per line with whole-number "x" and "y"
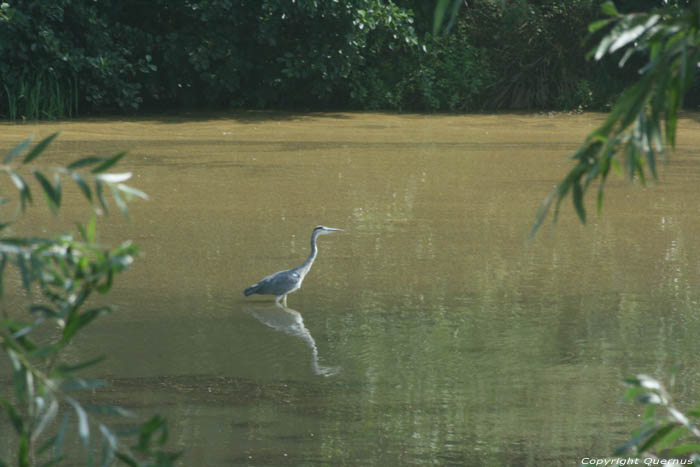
{"x": 430, "y": 331}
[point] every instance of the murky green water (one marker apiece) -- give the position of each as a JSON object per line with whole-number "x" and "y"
{"x": 427, "y": 333}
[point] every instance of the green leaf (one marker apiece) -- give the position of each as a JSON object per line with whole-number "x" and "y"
{"x": 24, "y": 193}
{"x": 596, "y": 25}
{"x": 89, "y": 234}
{"x": 84, "y": 187}
{"x": 126, "y": 458}
{"x": 608, "y": 8}
{"x": 24, "y": 272}
{"x": 85, "y": 161}
{"x": 104, "y": 287}
{"x": 154, "y": 425}
{"x": 684, "y": 449}
{"x": 81, "y": 320}
{"x": 108, "y": 163}
{"x": 64, "y": 368}
{"x": 18, "y": 150}
{"x": 660, "y": 433}
{"x": 46, "y": 418}
{"x": 53, "y": 197}
{"x": 3, "y": 262}
{"x": 119, "y": 201}
{"x": 675, "y": 434}
{"x": 114, "y": 177}
{"x": 131, "y": 191}
{"x": 23, "y": 452}
{"x": 83, "y": 425}
{"x": 578, "y": 201}
{"x": 15, "y": 418}
{"x": 39, "y": 148}
{"x": 100, "y": 195}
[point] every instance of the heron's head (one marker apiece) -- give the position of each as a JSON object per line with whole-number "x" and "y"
{"x": 323, "y": 230}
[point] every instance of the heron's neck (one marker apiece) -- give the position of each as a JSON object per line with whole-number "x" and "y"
{"x": 312, "y": 255}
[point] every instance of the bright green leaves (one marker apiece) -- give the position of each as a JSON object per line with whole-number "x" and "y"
{"x": 66, "y": 272}
{"x": 665, "y": 431}
{"x": 632, "y": 134}
{"x": 83, "y": 172}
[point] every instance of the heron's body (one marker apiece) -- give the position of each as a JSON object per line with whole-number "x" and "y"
{"x": 282, "y": 283}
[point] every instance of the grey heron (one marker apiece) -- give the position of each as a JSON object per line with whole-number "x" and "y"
{"x": 285, "y": 282}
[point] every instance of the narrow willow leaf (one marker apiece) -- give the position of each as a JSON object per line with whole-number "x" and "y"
{"x": 119, "y": 201}
{"x": 39, "y": 148}
{"x": 656, "y": 437}
{"x": 609, "y": 9}
{"x": 3, "y": 263}
{"x": 114, "y": 177}
{"x": 603, "y": 46}
{"x": 23, "y": 451}
{"x": 15, "y": 418}
{"x": 18, "y": 150}
{"x": 626, "y": 37}
{"x": 685, "y": 448}
{"x": 57, "y": 188}
{"x": 110, "y": 410}
{"x": 85, "y": 161}
{"x": 83, "y": 425}
{"x": 111, "y": 438}
{"x": 677, "y": 433}
{"x": 79, "y": 366}
{"x": 24, "y": 272}
{"x": 596, "y": 25}
{"x": 25, "y": 193}
{"x": 126, "y": 458}
{"x": 154, "y": 425}
{"x": 84, "y": 187}
{"x": 683, "y": 420}
{"x": 81, "y": 231}
{"x": 100, "y": 195}
{"x": 131, "y": 191}
{"x": 104, "y": 287}
{"x": 46, "y": 418}
{"x": 52, "y": 197}
{"x": 81, "y": 320}
{"x": 634, "y": 442}
{"x": 578, "y": 201}
{"x": 91, "y": 229}
{"x": 108, "y": 163}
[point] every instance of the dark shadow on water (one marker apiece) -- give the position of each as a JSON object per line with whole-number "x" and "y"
{"x": 289, "y": 321}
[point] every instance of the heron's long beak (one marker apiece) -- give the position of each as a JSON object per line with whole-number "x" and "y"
{"x": 334, "y": 229}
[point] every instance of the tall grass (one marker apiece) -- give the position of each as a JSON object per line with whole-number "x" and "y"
{"x": 40, "y": 98}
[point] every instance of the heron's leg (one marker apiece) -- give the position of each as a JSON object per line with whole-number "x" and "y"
{"x": 284, "y": 300}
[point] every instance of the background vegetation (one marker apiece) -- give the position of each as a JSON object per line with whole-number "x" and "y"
{"x": 58, "y": 59}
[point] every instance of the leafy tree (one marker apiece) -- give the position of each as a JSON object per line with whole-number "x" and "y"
{"x": 66, "y": 271}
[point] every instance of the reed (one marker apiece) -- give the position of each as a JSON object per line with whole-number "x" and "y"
{"x": 42, "y": 97}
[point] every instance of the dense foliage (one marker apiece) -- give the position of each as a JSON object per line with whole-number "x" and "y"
{"x": 66, "y": 57}
{"x": 42, "y": 402}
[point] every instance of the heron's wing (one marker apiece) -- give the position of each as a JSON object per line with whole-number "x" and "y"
{"x": 279, "y": 283}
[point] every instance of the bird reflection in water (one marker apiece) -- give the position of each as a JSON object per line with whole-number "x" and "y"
{"x": 288, "y": 321}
